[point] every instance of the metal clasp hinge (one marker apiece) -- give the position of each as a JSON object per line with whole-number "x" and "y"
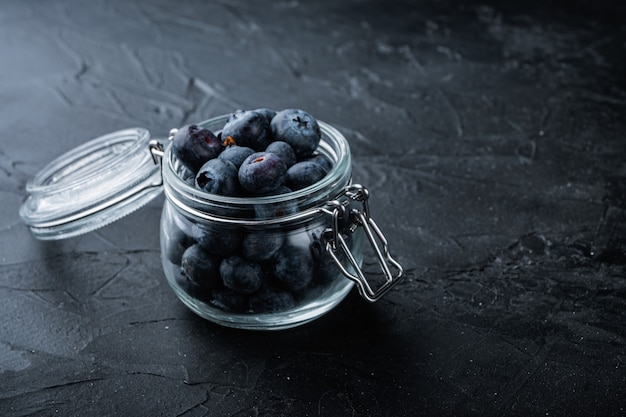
{"x": 156, "y": 150}
{"x": 335, "y": 243}
{"x": 156, "y": 147}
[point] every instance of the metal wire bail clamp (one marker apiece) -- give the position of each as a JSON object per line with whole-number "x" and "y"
{"x": 335, "y": 243}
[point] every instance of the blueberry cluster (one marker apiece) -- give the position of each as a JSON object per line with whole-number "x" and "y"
{"x": 248, "y": 271}
{"x": 251, "y": 270}
{"x": 257, "y": 153}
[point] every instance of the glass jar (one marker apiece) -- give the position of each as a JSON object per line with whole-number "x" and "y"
{"x": 262, "y": 263}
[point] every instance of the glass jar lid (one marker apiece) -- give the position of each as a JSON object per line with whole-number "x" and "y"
{"x": 92, "y": 185}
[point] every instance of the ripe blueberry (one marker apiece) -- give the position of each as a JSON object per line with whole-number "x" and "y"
{"x": 193, "y": 146}
{"x": 304, "y": 173}
{"x": 220, "y": 242}
{"x": 248, "y": 128}
{"x": 268, "y": 113}
{"x": 272, "y": 210}
{"x": 262, "y": 172}
{"x": 176, "y": 242}
{"x": 260, "y": 245}
{"x": 229, "y": 300}
{"x": 293, "y": 267}
{"x": 325, "y": 270}
{"x": 284, "y": 151}
{"x": 218, "y": 176}
{"x": 240, "y": 275}
{"x": 200, "y": 267}
{"x": 271, "y": 300}
{"x": 299, "y": 129}
{"x": 236, "y": 154}
{"x": 323, "y": 161}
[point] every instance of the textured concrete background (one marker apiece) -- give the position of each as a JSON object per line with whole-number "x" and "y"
{"x": 491, "y": 136}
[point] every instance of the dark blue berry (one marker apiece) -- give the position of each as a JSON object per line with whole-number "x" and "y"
{"x": 176, "y": 242}
{"x": 273, "y": 210}
{"x": 200, "y": 267}
{"x": 229, "y": 300}
{"x": 193, "y": 146}
{"x": 325, "y": 269}
{"x": 299, "y": 129}
{"x": 318, "y": 247}
{"x": 261, "y": 245}
{"x": 218, "y": 176}
{"x": 323, "y": 161}
{"x": 219, "y": 241}
{"x": 236, "y": 154}
{"x": 304, "y": 173}
{"x": 241, "y": 275}
{"x": 293, "y": 267}
{"x": 248, "y": 128}
{"x": 268, "y": 113}
{"x": 262, "y": 172}
{"x": 192, "y": 289}
{"x": 284, "y": 151}
{"x": 271, "y": 300}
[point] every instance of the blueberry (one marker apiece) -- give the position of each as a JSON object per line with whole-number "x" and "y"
{"x": 248, "y": 128}
{"x": 284, "y": 151}
{"x": 325, "y": 269}
{"x": 229, "y": 300}
{"x": 271, "y": 300}
{"x": 299, "y": 129}
{"x": 293, "y": 267}
{"x": 192, "y": 289}
{"x": 193, "y": 146}
{"x": 323, "y": 161}
{"x": 318, "y": 247}
{"x": 236, "y": 154}
{"x": 200, "y": 267}
{"x": 241, "y": 275}
{"x": 218, "y": 176}
{"x": 176, "y": 242}
{"x": 268, "y": 113}
{"x": 260, "y": 245}
{"x": 304, "y": 173}
{"x": 273, "y": 210}
{"x": 220, "y": 242}
{"x": 262, "y": 172}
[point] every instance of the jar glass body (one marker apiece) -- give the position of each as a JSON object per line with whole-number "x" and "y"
{"x": 257, "y": 263}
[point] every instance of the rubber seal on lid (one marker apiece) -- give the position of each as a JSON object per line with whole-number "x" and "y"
{"x": 92, "y": 185}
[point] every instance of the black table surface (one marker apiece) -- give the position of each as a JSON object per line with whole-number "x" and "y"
{"x": 490, "y": 135}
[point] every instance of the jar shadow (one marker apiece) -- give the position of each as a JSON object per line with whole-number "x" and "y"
{"x": 353, "y": 328}
{"x": 351, "y": 316}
